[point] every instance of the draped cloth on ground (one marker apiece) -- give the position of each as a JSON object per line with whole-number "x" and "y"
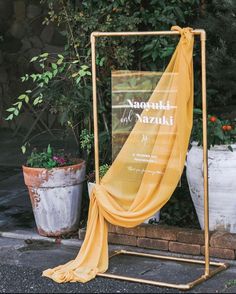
{"x": 129, "y": 205}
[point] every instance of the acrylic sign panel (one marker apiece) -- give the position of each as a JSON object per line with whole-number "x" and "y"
{"x": 146, "y": 107}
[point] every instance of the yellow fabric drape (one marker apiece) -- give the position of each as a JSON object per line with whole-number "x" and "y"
{"x": 128, "y": 206}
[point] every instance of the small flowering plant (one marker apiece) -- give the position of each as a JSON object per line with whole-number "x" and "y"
{"x": 48, "y": 159}
{"x": 219, "y": 131}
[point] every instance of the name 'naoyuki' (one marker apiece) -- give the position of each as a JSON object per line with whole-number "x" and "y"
{"x": 149, "y": 105}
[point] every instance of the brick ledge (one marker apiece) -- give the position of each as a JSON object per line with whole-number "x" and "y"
{"x": 172, "y": 239}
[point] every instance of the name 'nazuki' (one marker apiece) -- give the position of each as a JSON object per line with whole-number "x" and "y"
{"x": 156, "y": 120}
{"x": 149, "y": 105}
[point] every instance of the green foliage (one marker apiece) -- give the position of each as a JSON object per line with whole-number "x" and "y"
{"x": 86, "y": 141}
{"x": 103, "y": 169}
{"x": 161, "y": 15}
{"x": 219, "y": 131}
{"x": 56, "y": 85}
{"x": 63, "y": 83}
{"x": 48, "y": 159}
{"x": 218, "y": 17}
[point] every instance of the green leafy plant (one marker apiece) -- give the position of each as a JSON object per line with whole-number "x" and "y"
{"x": 55, "y": 68}
{"x": 62, "y": 85}
{"x": 56, "y": 86}
{"x": 219, "y": 131}
{"x": 48, "y": 159}
{"x": 216, "y": 17}
{"x": 86, "y": 141}
{"x": 102, "y": 171}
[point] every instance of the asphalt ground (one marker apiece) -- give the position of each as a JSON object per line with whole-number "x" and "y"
{"x": 22, "y": 263}
{"x": 21, "y": 266}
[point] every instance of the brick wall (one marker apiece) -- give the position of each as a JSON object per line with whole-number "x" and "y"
{"x": 173, "y": 239}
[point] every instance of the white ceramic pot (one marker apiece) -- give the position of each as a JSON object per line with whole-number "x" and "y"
{"x": 154, "y": 218}
{"x": 222, "y": 185}
{"x": 90, "y": 187}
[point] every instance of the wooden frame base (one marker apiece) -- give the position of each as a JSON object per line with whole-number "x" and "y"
{"x": 219, "y": 267}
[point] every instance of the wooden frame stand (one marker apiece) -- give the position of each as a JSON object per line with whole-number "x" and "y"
{"x": 219, "y": 266}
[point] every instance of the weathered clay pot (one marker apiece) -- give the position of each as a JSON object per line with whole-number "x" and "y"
{"x": 222, "y": 186}
{"x": 56, "y": 196}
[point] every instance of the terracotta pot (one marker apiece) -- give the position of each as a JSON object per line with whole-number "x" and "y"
{"x": 222, "y": 186}
{"x": 56, "y": 196}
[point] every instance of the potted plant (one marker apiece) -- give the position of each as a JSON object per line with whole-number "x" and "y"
{"x": 55, "y": 182}
{"x": 55, "y": 187}
{"x": 57, "y": 90}
{"x": 221, "y": 164}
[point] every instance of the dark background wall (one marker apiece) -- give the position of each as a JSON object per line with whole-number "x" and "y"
{"x": 22, "y": 36}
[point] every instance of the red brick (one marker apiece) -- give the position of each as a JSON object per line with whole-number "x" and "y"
{"x": 142, "y": 230}
{"x": 219, "y": 252}
{"x": 122, "y": 239}
{"x": 111, "y": 228}
{"x": 153, "y": 243}
{"x": 223, "y": 240}
{"x": 191, "y": 237}
{"x": 184, "y": 248}
{"x": 126, "y": 231}
{"x": 162, "y": 232}
{"x": 139, "y": 231}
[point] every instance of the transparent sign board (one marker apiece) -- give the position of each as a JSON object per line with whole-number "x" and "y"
{"x": 144, "y": 113}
